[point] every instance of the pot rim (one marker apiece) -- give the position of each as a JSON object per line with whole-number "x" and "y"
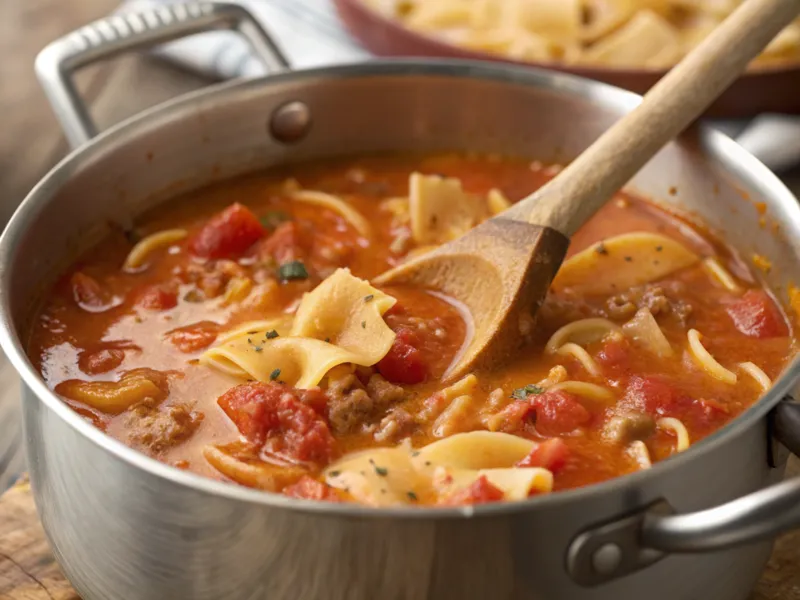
{"x": 721, "y": 148}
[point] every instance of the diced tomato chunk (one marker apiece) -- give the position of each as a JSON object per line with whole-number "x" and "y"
{"x": 100, "y": 361}
{"x": 194, "y": 337}
{"x": 658, "y": 398}
{"x": 551, "y": 455}
{"x": 558, "y": 412}
{"x": 614, "y": 353}
{"x": 88, "y": 293}
{"x": 227, "y": 234}
{"x": 158, "y": 297}
{"x": 308, "y": 488}
{"x": 654, "y": 396}
{"x": 403, "y": 363}
{"x": 274, "y": 415}
{"x": 755, "y": 315}
{"x": 514, "y": 417}
{"x": 480, "y": 492}
{"x": 286, "y": 244}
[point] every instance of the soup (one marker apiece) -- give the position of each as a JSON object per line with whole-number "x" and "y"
{"x": 234, "y": 333}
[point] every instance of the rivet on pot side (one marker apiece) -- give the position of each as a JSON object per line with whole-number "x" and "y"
{"x": 290, "y": 122}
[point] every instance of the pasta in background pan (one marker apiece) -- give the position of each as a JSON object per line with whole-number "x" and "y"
{"x": 651, "y": 34}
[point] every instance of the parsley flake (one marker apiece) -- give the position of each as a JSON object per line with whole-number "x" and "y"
{"x": 292, "y": 271}
{"x": 369, "y": 297}
{"x": 659, "y": 248}
{"x": 363, "y": 324}
{"x": 523, "y": 392}
{"x": 273, "y": 218}
{"x": 411, "y": 496}
{"x": 628, "y": 259}
{"x": 258, "y": 348}
{"x": 382, "y": 471}
{"x": 601, "y": 248}
{"x": 275, "y": 374}
{"x": 271, "y": 335}
{"x": 334, "y": 473}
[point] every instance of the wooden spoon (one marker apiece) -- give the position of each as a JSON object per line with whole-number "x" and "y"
{"x": 501, "y": 270}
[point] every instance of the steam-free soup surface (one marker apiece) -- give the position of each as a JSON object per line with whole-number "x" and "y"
{"x": 234, "y": 333}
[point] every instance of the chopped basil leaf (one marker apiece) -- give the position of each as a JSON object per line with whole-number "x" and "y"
{"x": 382, "y": 471}
{"x": 292, "y": 270}
{"x": 523, "y": 392}
{"x": 273, "y": 218}
{"x": 275, "y": 374}
{"x": 271, "y": 334}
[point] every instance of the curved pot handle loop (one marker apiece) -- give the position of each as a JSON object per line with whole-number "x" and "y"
{"x": 120, "y": 33}
{"x": 628, "y": 544}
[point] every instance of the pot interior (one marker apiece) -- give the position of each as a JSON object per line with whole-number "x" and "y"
{"x": 399, "y": 107}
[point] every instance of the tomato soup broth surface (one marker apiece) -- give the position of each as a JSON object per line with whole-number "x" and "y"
{"x": 234, "y": 333}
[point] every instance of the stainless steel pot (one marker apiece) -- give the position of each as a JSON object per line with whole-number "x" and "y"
{"x": 124, "y": 526}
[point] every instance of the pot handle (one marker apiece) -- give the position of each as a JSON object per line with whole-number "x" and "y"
{"x": 626, "y": 545}
{"x": 120, "y": 33}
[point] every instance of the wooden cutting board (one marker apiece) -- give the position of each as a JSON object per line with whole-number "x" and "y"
{"x": 28, "y": 570}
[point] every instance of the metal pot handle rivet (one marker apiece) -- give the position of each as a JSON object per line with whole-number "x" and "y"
{"x": 121, "y": 33}
{"x": 628, "y": 544}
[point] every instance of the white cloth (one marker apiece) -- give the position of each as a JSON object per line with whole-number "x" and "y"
{"x": 310, "y": 34}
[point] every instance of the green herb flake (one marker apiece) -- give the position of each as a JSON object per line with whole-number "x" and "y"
{"x": 327, "y": 340}
{"x": 369, "y": 298}
{"x": 249, "y": 341}
{"x": 271, "y": 335}
{"x": 255, "y": 331}
{"x": 363, "y": 324}
{"x": 275, "y": 374}
{"x": 601, "y": 249}
{"x": 523, "y": 392}
{"x": 411, "y": 496}
{"x": 257, "y": 348}
{"x": 659, "y": 248}
{"x": 335, "y": 473}
{"x": 381, "y": 471}
{"x": 292, "y": 271}
{"x": 273, "y": 218}
{"x": 415, "y": 453}
{"x": 628, "y": 259}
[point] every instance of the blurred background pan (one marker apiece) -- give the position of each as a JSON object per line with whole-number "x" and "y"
{"x": 766, "y": 89}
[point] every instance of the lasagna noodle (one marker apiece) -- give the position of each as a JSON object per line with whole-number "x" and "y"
{"x": 706, "y": 361}
{"x": 137, "y": 257}
{"x": 340, "y": 322}
{"x": 337, "y": 205}
{"x": 581, "y": 332}
{"x": 440, "y": 209}
{"x": 622, "y": 262}
{"x": 677, "y": 427}
{"x": 757, "y": 374}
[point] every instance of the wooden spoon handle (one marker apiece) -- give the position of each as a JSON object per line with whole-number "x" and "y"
{"x": 668, "y": 108}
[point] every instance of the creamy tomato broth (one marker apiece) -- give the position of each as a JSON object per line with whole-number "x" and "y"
{"x": 235, "y": 333}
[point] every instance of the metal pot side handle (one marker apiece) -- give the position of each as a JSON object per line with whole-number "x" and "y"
{"x": 124, "y": 32}
{"x": 631, "y": 543}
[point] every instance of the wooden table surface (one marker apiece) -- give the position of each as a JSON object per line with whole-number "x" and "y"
{"x": 31, "y": 143}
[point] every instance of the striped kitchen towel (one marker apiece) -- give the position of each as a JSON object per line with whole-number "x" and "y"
{"x": 310, "y": 35}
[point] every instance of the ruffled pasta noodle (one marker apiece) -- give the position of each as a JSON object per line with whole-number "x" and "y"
{"x": 139, "y": 254}
{"x": 441, "y": 210}
{"x": 756, "y": 373}
{"x": 337, "y": 205}
{"x": 497, "y": 201}
{"x": 677, "y": 427}
{"x": 719, "y": 273}
{"x": 454, "y": 417}
{"x": 281, "y": 325}
{"x": 585, "y": 390}
{"x": 644, "y": 330}
{"x": 639, "y": 452}
{"x": 340, "y": 321}
{"x": 706, "y": 361}
{"x": 581, "y": 332}
{"x": 582, "y": 356}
